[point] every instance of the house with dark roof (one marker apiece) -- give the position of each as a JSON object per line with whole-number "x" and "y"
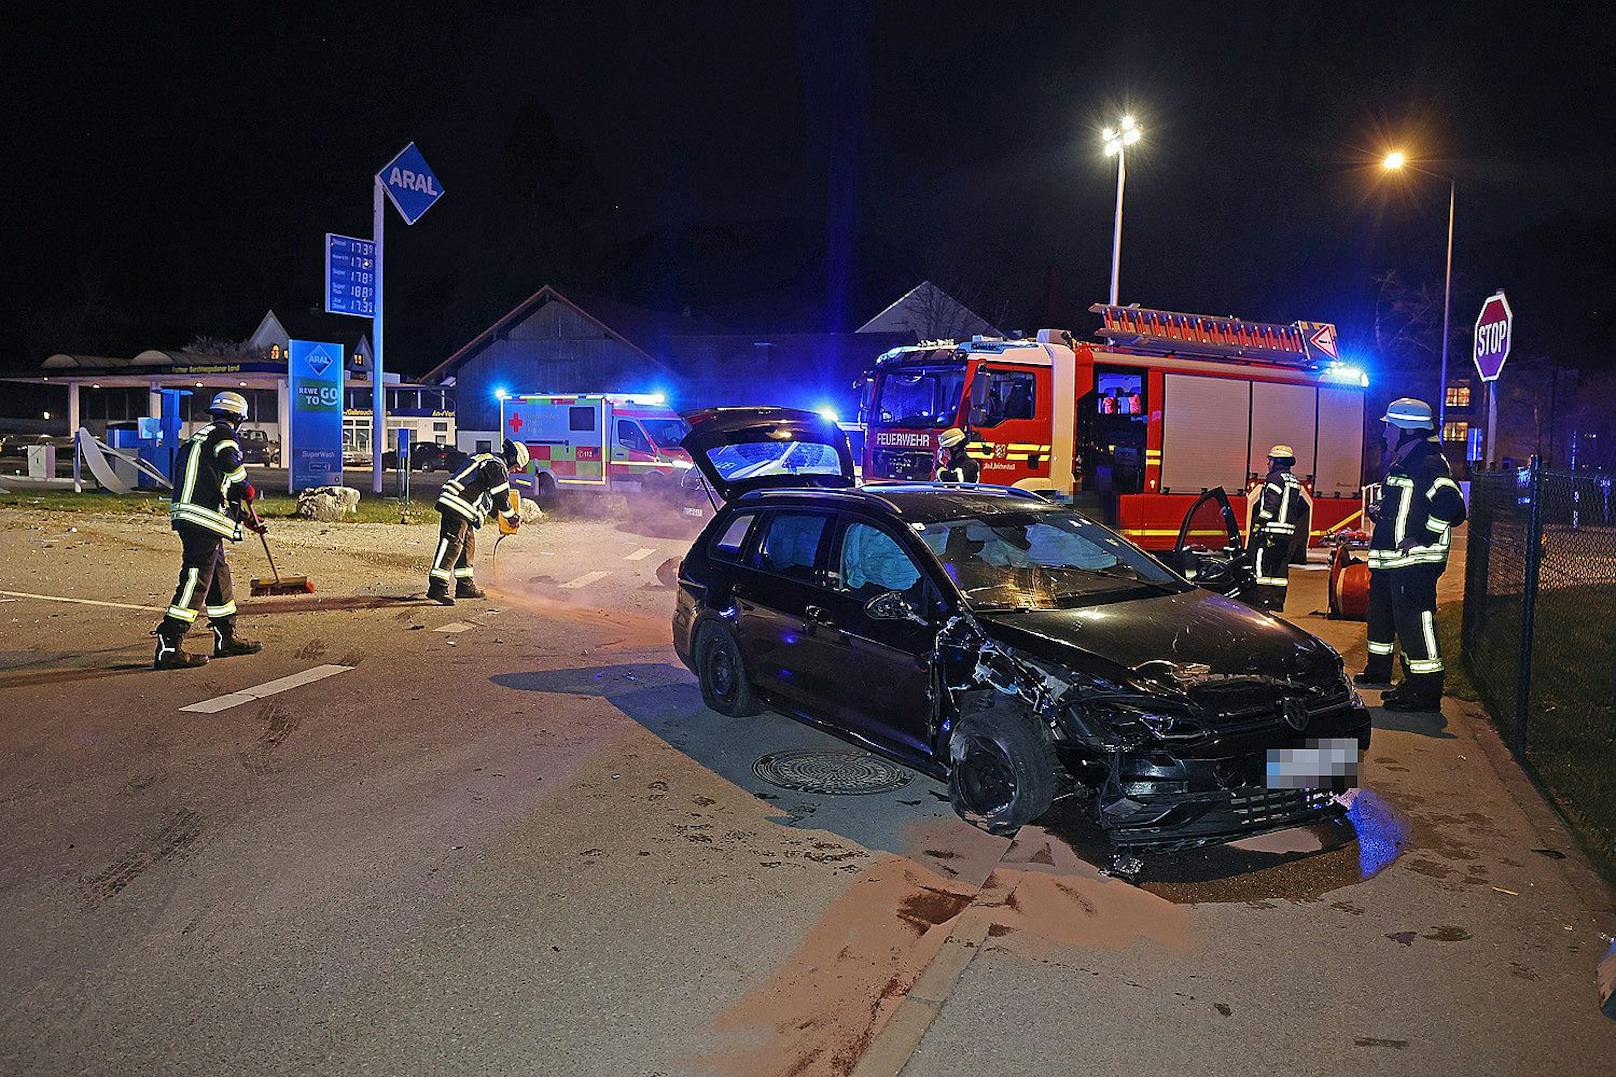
{"x": 555, "y": 342}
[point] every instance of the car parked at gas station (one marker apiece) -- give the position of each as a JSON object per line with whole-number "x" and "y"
{"x": 1001, "y": 642}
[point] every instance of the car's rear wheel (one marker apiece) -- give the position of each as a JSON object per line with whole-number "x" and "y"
{"x": 722, "y": 673}
{"x": 1003, "y": 774}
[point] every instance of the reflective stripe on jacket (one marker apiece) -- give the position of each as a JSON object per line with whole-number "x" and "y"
{"x": 481, "y": 485}
{"x": 1282, "y": 505}
{"x": 210, "y": 478}
{"x": 1419, "y": 509}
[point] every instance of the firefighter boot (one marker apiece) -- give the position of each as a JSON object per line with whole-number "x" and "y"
{"x": 438, "y": 591}
{"x": 1373, "y": 677}
{"x": 1418, "y": 692}
{"x": 465, "y": 588}
{"x": 1377, "y": 672}
{"x": 170, "y": 655}
{"x": 226, "y": 644}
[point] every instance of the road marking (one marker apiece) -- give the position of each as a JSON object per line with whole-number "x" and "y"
{"x": 585, "y": 580}
{"x": 83, "y": 601}
{"x": 640, "y": 554}
{"x": 270, "y": 688}
{"x": 454, "y": 626}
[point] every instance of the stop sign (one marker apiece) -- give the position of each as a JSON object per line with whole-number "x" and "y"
{"x": 1494, "y": 328}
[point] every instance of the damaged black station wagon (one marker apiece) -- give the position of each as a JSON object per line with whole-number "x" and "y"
{"x": 997, "y": 641}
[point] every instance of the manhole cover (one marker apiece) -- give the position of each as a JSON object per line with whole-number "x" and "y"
{"x": 841, "y": 771}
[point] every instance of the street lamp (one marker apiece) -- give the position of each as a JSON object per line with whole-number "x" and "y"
{"x": 1116, "y": 139}
{"x": 1396, "y": 161}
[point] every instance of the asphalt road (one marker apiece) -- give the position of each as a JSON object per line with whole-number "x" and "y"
{"x": 507, "y": 838}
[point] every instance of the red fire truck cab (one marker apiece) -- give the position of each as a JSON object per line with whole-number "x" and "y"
{"x": 1135, "y": 427}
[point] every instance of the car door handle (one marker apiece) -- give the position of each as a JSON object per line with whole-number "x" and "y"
{"x": 817, "y": 616}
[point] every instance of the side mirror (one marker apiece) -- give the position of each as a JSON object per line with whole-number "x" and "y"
{"x": 892, "y": 606}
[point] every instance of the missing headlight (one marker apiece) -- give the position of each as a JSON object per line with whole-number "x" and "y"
{"x": 1136, "y": 720}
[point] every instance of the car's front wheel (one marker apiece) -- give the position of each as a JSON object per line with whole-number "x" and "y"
{"x": 722, "y": 674}
{"x": 1003, "y": 774}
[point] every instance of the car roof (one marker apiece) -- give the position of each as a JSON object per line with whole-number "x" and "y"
{"x": 914, "y": 502}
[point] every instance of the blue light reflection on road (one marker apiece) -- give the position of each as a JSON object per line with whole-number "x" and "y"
{"x": 1381, "y": 835}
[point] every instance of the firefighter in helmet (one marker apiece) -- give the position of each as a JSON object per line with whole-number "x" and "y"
{"x": 212, "y": 502}
{"x": 1420, "y": 506}
{"x": 481, "y": 486}
{"x": 954, "y": 462}
{"x": 1281, "y": 508}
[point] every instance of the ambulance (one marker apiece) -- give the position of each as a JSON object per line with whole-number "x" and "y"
{"x": 598, "y": 442}
{"x": 1140, "y": 428}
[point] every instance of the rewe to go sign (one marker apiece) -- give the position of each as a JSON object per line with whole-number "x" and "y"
{"x": 1494, "y": 328}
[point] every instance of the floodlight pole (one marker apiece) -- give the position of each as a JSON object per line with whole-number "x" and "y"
{"x": 1447, "y": 304}
{"x": 378, "y": 398}
{"x": 1116, "y": 228}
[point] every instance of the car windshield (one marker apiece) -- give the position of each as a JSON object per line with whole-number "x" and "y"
{"x": 752, "y": 459}
{"x": 919, "y": 397}
{"x": 666, "y": 433}
{"x": 1039, "y": 560}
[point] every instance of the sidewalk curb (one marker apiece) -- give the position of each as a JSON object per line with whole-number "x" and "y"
{"x": 1541, "y": 815}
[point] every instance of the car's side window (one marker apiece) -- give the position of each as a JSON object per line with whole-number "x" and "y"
{"x": 872, "y": 562}
{"x": 790, "y": 546}
{"x": 729, "y": 543}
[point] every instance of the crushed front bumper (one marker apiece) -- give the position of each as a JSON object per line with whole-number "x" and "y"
{"x": 1216, "y": 792}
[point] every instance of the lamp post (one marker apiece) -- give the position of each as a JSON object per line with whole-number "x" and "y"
{"x": 1397, "y": 161}
{"x": 1116, "y": 140}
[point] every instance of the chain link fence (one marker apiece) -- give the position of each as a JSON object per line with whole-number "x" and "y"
{"x": 1539, "y": 632}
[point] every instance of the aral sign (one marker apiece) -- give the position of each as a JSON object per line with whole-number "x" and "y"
{"x": 1495, "y": 326}
{"x": 315, "y": 374}
{"x": 410, "y": 184}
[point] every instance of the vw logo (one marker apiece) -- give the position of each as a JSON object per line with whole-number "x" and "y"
{"x": 1295, "y": 712}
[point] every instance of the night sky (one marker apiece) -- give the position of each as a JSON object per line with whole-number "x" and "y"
{"x": 797, "y": 167}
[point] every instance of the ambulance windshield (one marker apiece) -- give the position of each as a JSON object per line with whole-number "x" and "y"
{"x": 921, "y": 397}
{"x": 667, "y": 433}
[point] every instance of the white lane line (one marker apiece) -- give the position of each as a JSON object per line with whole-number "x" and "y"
{"x": 455, "y": 626}
{"x": 83, "y": 601}
{"x": 270, "y": 688}
{"x": 640, "y": 554}
{"x": 585, "y": 580}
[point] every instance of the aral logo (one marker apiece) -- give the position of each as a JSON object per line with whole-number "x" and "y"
{"x": 410, "y": 184}
{"x": 318, "y": 360}
{"x": 403, "y": 177}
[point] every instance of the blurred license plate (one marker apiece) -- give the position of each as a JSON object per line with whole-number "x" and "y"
{"x": 688, "y": 511}
{"x": 1319, "y": 764}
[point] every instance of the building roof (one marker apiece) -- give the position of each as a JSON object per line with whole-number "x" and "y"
{"x": 929, "y": 313}
{"x": 66, "y": 361}
{"x": 299, "y": 324}
{"x": 637, "y": 327}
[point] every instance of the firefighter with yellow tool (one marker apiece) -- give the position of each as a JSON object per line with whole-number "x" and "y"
{"x": 212, "y": 502}
{"x": 481, "y": 486}
{"x": 1281, "y": 509}
{"x": 1419, "y": 508}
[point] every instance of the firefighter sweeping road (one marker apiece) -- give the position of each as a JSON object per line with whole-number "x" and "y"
{"x": 508, "y": 837}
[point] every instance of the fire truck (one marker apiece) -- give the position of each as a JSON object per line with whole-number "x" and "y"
{"x": 1136, "y": 427}
{"x": 597, "y": 442}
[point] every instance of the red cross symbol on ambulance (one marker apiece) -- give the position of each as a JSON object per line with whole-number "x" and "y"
{"x": 516, "y": 421}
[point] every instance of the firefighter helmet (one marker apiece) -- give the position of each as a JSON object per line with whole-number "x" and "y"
{"x": 1407, "y": 413}
{"x": 1282, "y": 452}
{"x": 952, "y": 438}
{"x": 516, "y": 454}
{"x": 229, "y": 405}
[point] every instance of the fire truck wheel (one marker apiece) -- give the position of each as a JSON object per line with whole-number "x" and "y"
{"x": 722, "y": 673}
{"x": 1003, "y": 774}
